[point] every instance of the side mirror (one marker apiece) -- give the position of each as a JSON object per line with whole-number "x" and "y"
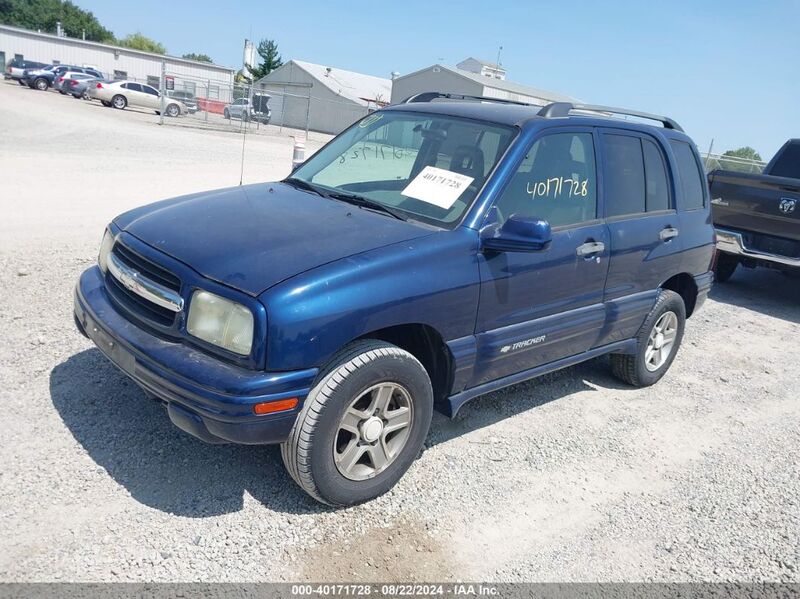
{"x": 517, "y": 234}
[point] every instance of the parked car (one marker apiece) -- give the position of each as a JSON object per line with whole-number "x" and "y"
{"x": 79, "y": 88}
{"x": 434, "y": 251}
{"x": 258, "y": 110}
{"x": 16, "y": 68}
{"x": 61, "y": 83}
{"x": 186, "y": 98}
{"x": 121, "y": 94}
{"x": 42, "y": 79}
{"x": 757, "y": 217}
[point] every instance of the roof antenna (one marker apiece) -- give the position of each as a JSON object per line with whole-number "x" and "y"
{"x": 500, "y": 49}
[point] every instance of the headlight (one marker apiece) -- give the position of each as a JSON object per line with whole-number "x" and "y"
{"x": 220, "y": 321}
{"x": 105, "y": 249}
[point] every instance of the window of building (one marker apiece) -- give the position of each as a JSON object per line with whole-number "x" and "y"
{"x": 691, "y": 178}
{"x": 556, "y": 182}
{"x": 120, "y": 74}
{"x": 18, "y": 57}
{"x": 154, "y": 80}
{"x": 213, "y": 91}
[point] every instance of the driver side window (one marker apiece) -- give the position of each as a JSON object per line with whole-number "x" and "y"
{"x": 556, "y": 182}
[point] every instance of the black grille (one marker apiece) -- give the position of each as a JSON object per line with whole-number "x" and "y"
{"x": 133, "y": 304}
{"x": 776, "y": 245}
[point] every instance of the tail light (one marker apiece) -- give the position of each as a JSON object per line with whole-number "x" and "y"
{"x": 60, "y": 79}
{"x": 99, "y": 86}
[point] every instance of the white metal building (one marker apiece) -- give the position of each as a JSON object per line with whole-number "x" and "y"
{"x": 330, "y": 99}
{"x": 472, "y": 77}
{"x": 115, "y": 62}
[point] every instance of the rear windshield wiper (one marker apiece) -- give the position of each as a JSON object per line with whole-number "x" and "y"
{"x": 357, "y": 200}
{"x": 305, "y": 185}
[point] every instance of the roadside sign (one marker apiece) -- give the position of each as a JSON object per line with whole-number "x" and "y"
{"x": 169, "y": 82}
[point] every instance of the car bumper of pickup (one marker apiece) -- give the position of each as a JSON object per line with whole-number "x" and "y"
{"x": 733, "y": 242}
{"x": 204, "y": 396}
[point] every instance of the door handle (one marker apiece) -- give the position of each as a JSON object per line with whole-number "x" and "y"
{"x": 590, "y": 248}
{"x": 668, "y": 233}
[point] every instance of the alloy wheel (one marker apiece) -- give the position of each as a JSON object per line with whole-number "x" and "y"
{"x": 373, "y": 431}
{"x": 661, "y": 341}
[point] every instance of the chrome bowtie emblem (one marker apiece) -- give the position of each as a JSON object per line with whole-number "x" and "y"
{"x": 787, "y": 205}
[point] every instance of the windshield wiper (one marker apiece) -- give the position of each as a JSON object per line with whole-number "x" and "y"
{"x": 305, "y": 185}
{"x": 361, "y": 201}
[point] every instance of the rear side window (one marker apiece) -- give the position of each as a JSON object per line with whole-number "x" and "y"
{"x": 689, "y": 171}
{"x": 655, "y": 177}
{"x": 788, "y": 165}
{"x": 624, "y": 175}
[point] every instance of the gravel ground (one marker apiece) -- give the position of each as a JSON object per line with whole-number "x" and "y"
{"x": 573, "y": 477}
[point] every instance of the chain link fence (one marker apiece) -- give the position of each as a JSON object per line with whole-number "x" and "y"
{"x": 272, "y": 108}
{"x": 714, "y": 162}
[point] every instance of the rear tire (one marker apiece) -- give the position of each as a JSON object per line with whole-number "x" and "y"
{"x": 725, "y": 267}
{"x": 106, "y": 104}
{"x": 226, "y": 114}
{"x": 361, "y": 426}
{"x": 649, "y": 363}
{"x": 21, "y": 82}
{"x": 119, "y": 102}
{"x": 173, "y": 110}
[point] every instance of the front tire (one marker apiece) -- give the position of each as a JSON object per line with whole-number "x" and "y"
{"x": 119, "y": 102}
{"x": 41, "y": 84}
{"x": 658, "y": 341}
{"x": 361, "y": 426}
{"x": 173, "y": 110}
{"x": 725, "y": 267}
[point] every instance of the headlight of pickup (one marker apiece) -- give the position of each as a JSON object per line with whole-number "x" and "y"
{"x": 105, "y": 250}
{"x": 221, "y": 322}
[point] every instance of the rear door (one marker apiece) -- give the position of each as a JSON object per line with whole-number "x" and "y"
{"x": 538, "y": 307}
{"x": 643, "y": 225}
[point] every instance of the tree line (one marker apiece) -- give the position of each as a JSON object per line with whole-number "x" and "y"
{"x": 42, "y": 15}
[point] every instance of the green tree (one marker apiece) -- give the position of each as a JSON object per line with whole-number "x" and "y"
{"x": 137, "y": 41}
{"x": 199, "y": 57}
{"x": 746, "y": 152}
{"x": 43, "y": 14}
{"x": 270, "y": 60}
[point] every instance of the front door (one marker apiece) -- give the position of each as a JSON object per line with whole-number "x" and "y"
{"x": 151, "y": 99}
{"x": 538, "y": 307}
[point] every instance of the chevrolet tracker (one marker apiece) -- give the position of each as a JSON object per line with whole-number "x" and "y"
{"x": 435, "y": 251}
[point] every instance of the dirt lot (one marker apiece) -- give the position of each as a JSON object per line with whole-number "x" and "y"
{"x": 571, "y": 477}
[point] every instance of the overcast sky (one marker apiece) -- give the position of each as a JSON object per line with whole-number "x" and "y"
{"x": 724, "y": 70}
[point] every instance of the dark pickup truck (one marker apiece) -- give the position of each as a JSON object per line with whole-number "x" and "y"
{"x": 757, "y": 217}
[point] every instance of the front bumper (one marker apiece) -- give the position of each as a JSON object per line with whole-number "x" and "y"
{"x": 204, "y": 396}
{"x": 732, "y": 242}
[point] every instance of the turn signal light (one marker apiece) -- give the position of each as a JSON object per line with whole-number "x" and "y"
{"x": 280, "y": 405}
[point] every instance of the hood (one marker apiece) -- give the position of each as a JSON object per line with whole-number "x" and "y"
{"x": 256, "y": 236}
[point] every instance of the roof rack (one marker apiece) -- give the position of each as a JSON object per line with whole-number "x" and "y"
{"x": 562, "y": 109}
{"x": 430, "y": 96}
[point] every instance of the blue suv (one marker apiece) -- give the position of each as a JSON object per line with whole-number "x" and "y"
{"x": 435, "y": 251}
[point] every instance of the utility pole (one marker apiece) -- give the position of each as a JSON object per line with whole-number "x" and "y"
{"x": 163, "y": 91}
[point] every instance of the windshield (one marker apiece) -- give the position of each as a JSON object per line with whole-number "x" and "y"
{"x": 427, "y": 167}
